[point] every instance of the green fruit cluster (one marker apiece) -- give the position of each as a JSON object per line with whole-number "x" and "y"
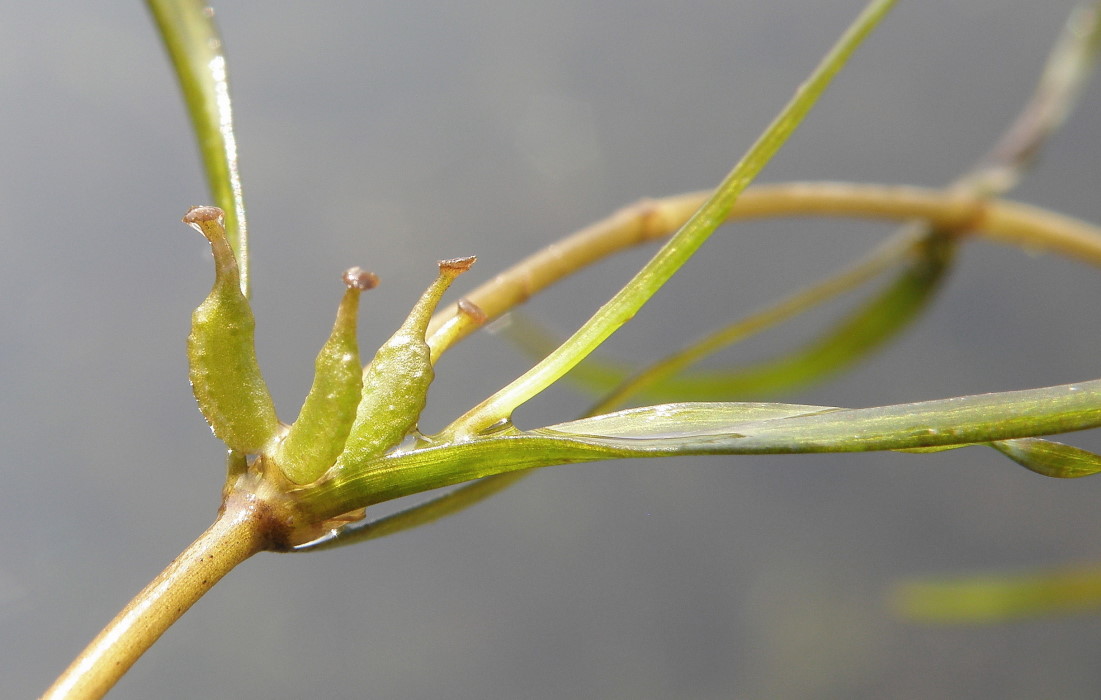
{"x": 350, "y": 415}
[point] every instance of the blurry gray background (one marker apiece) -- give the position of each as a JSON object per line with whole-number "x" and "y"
{"x": 393, "y": 134}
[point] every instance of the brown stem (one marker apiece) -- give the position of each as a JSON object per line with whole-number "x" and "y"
{"x": 241, "y": 530}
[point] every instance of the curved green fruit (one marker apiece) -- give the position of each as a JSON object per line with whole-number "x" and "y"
{"x": 395, "y": 383}
{"x": 225, "y": 376}
{"x": 318, "y": 435}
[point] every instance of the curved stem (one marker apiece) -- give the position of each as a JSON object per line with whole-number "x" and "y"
{"x": 236, "y": 535}
{"x": 652, "y": 219}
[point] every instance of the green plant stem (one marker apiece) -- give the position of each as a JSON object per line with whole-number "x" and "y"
{"x": 237, "y": 534}
{"x": 998, "y": 220}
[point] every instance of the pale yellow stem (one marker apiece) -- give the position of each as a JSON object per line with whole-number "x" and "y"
{"x": 995, "y": 219}
{"x": 235, "y": 536}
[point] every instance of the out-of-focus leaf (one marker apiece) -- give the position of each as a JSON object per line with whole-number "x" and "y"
{"x": 998, "y": 598}
{"x": 1068, "y": 67}
{"x": 195, "y": 48}
{"x": 847, "y": 341}
{"x": 855, "y": 336}
{"x": 1050, "y": 458}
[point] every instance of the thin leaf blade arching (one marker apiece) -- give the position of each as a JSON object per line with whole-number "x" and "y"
{"x": 623, "y": 306}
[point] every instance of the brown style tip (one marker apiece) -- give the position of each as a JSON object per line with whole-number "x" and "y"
{"x": 472, "y": 311}
{"x": 456, "y": 266}
{"x": 358, "y": 278}
{"x": 201, "y": 214}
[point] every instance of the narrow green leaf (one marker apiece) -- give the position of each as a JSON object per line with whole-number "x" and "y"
{"x": 712, "y": 428}
{"x": 956, "y": 421}
{"x": 855, "y": 336}
{"x": 927, "y": 255}
{"x": 1043, "y": 456}
{"x": 681, "y": 421}
{"x": 1050, "y": 458}
{"x": 622, "y": 307}
{"x": 195, "y": 48}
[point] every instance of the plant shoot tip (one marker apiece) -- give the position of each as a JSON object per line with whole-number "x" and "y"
{"x": 358, "y": 278}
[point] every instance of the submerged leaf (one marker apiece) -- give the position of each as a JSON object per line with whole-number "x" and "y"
{"x": 1050, "y": 458}
{"x": 738, "y": 428}
{"x": 851, "y": 339}
{"x": 681, "y": 420}
{"x": 857, "y": 334}
{"x": 954, "y": 421}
